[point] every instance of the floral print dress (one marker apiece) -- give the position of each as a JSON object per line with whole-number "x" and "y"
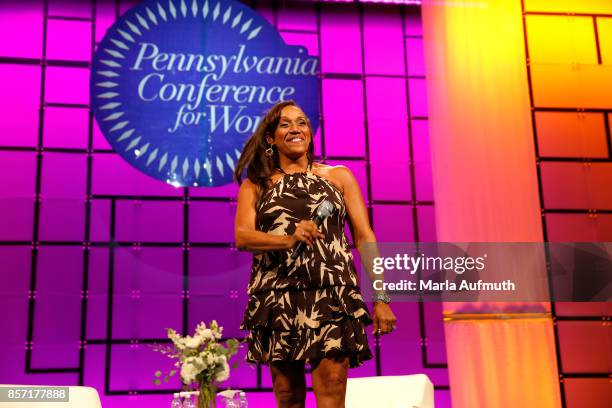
{"x": 311, "y": 307}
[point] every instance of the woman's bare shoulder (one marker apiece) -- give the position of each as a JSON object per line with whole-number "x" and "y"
{"x": 322, "y": 167}
{"x": 339, "y": 170}
{"x": 336, "y": 174}
{"x": 248, "y": 187}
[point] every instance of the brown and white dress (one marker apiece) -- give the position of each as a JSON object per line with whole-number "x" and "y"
{"x": 311, "y": 307}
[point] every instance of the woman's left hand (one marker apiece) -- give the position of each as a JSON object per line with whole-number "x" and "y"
{"x": 384, "y": 319}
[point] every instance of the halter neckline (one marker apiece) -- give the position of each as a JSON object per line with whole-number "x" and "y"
{"x": 315, "y": 175}
{"x": 308, "y": 170}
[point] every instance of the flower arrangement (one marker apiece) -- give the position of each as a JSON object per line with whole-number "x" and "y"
{"x": 201, "y": 360}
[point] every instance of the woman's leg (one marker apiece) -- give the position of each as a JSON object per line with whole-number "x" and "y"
{"x": 329, "y": 381}
{"x": 289, "y": 383}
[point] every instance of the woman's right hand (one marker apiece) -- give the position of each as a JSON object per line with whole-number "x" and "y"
{"x": 306, "y": 231}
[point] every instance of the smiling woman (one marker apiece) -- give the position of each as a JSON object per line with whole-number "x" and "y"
{"x": 260, "y": 156}
{"x": 309, "y": 309}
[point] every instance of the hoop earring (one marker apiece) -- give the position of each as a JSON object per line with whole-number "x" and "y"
{"x": 269, "y": 151}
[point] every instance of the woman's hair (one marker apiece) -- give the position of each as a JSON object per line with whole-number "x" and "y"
{"x": 259, "y": 166}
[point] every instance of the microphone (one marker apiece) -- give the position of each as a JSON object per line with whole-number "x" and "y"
{"x": 324, "y": 210}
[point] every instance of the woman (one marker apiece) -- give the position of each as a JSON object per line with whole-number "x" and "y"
{"x": 307, "y": 310}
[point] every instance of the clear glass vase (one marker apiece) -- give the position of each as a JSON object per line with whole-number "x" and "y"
{"x": 207, "y": 396}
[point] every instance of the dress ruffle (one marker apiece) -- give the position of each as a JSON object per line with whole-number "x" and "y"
{"x": 341, "y": 338}
{"x": 307, "y": 324}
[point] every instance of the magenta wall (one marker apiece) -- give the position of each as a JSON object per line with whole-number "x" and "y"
{"x": 77, "y": 223}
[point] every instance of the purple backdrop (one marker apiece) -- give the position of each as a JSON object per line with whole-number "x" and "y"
{"x": 77, "y": 223}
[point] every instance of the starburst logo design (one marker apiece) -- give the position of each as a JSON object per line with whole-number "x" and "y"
{"x": 177, "y": 87}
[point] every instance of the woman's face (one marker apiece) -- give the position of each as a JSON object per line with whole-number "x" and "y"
{"x": 292, "y": 135}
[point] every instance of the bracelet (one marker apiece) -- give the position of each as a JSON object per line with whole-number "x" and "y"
{"x": 381, "y": 297}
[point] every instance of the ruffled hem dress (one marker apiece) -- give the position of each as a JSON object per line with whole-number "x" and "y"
{"x": 309, "y": 308}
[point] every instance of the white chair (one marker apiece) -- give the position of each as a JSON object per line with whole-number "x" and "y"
{"x": 398, "y": 391}
{"x": 80, "y": 397}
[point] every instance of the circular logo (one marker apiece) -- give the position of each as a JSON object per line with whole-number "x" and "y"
{"x": 178, "y": 86}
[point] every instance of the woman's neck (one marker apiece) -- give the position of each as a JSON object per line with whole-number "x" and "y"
{"x": 289, "y": 166}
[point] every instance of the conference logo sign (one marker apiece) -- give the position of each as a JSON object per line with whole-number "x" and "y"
{"x": 177, "y": 86}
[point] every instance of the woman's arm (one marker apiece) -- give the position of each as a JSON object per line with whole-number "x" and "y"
{"x": 249, "y": 239}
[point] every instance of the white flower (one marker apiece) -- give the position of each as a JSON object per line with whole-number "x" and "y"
{"x": 176, "y": 339}
{"x": 216, "y": 329}
{"x": 200, "y": 363}
{"x": 200, "y": 354}
{"x": 205, "y": 334}
{"x": 222, "y": 372}
{"x": 188, "y": 373}
{"x": 193, "y": 342}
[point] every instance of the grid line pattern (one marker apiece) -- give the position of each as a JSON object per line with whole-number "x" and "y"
{"x": 587, "y": 143}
